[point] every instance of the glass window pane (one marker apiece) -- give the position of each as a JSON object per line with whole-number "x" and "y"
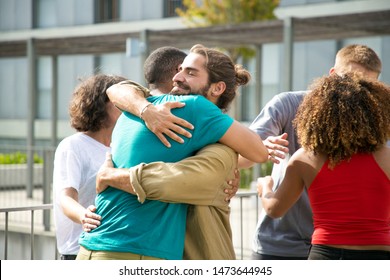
{"x": 45, "y": 13}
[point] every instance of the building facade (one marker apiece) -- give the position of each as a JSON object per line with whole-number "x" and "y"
{"x": 311, "y": 59}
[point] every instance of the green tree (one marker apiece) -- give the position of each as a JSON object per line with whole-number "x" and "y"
{"x": 221, "y": 12}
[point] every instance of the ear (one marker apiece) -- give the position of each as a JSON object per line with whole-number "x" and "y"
{"x": 217, "y": 88}
{"x": 331, "y": 71}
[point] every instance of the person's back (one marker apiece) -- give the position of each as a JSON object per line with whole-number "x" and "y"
{"x": 342, "y": 125}
{"x": 362, "y": 189}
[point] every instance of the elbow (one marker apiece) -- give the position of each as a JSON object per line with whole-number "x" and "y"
{"x": 264, "y": 157}
{"x": 110, "y": 91}
{"x": 261, "y": 156}
{"x": 273, "y": 214}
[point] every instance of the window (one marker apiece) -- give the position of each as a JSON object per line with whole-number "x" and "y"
{"x": 106, "y": 11}
{"x": 170, "y": 7}
{"x": 44, "y": 14}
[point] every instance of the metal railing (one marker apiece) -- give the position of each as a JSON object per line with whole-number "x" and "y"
{"x": 30, "y": 209}
{"x": 242, "y": 214}
{"x": 22, "y": 202}
{"x": 27, "y": 170}
{"x": 241, "y": 196}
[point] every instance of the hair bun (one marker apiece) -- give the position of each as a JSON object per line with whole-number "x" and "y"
{"x": 242, "y": 75}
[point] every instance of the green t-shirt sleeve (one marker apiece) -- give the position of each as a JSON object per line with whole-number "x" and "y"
{"x": 211, "y": 122}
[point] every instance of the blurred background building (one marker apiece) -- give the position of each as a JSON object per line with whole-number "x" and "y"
{"x": 19, "y": 18}
{"x": 46, "y": 46}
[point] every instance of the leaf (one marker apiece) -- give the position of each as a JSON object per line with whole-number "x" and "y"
{"x": 223, "y": 12}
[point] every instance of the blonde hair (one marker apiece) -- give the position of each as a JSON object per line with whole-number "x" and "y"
{"x": 361, "y": 55}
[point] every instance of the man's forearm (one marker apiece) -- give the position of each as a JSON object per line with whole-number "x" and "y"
{"x": 117, "y": 178}
{"x": 198, "y": 180}
{"x": 128, "y": 97}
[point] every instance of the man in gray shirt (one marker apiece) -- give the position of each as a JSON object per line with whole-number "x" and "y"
{"x": 289, "y": 237}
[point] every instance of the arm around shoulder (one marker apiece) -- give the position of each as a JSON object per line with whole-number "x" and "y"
{"x": 129, "y": 96}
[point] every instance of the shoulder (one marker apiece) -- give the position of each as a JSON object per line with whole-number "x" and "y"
{"x": 278, "y": 113}
{"x": 382, "y": 158}
{"x": 290, "y": 97}
{"x": 203, "y": 107}
{"x": 190, "y": 99}
{"x": 198, "y": 100}
{"x": 307, "y": 156}
{"x": 283, "y": 101}
{"x": 76, "y": 144}
{"x": 305, "y": 165}
{"x": 304, "y": 159}
{"x": 70, "y": 141}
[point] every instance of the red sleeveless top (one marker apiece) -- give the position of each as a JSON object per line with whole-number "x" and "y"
{"x": 351, "y": 203}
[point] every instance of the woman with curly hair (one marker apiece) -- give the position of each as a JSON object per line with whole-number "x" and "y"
{"x": 343, "y": 125}
{"x": 78, "y": 158}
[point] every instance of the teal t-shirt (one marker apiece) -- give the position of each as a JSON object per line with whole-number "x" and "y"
{"x": 153, "y": 228}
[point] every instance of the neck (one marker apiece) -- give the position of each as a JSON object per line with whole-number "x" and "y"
{"x": 160, "y": 88}
{"x": 156, "y": 92}
{"x": 103, "y": 136}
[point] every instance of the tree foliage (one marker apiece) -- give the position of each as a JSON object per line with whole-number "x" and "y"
{"x": 220, "y": 12}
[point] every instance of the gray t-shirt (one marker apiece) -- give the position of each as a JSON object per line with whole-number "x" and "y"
{"x": 290, "y": 235}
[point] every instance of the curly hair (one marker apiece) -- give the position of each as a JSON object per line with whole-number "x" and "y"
{"x": 343, "y": 116}
{"x": 220, "y": 67}
{"x": 87, "y": 108}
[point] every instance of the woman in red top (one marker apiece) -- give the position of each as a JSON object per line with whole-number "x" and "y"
{"x": 343, "y": 125}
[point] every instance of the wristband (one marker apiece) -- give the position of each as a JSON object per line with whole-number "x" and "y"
{"x": 144, "y": 109}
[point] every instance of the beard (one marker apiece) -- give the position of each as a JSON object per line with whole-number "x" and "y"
{"x": 180, "y": 88}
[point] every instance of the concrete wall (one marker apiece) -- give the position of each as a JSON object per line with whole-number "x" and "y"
{"x": 19, "y": 245}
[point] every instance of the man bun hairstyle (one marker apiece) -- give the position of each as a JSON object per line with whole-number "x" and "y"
{"x": 220, "y": 67}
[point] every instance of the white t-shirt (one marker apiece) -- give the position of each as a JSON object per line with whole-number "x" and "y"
{"x": 76, "y": 163}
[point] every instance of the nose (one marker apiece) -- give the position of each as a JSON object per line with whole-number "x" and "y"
{"x": 179, "y": 77}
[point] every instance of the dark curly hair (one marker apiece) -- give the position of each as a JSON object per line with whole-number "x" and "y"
{"x": 343, "y": 116}
{"x": 87, "y": 107}
{"x": 220, "y": 67}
